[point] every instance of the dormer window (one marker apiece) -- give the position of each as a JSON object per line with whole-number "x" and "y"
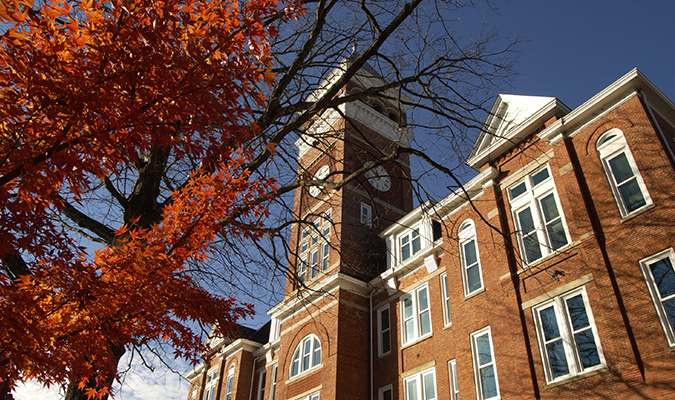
{"x": 411, "y": 243}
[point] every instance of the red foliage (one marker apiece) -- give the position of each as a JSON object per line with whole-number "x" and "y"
{"x": 86, "y": 87}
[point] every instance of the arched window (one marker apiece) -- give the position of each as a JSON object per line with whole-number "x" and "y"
{"x": 468, "y": 251}
{"x": 230, "y": 382}
{"x": 306, "y": 356}
{"x": 624, "y": 178}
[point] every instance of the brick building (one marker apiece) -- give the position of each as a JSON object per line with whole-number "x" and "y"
{"x": 550, "y": 275}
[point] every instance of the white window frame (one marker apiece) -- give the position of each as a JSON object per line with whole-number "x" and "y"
{"x": 419, "y": 381}
{"x": 301, "y": 353}
{"x": 314, "y": 248}
{"x": 313, "y": 396}
{"x": 229, "y": 382}
{"x": 273, "y": 382}
{"x": 383, "y": 332}
{"x": 411, "y": 241}
{"x": 416, "y": 317}
{"x": 195, "y": 392}
{"x": 479, "y": 365}
{"x": 366, "y": 215}
{"x": 567, "y": 336}
{"x": 655, "y": 293}
{"x": 452, "y": 379}
{"x": 211, "y": 384}
{"x": 534, "y": 192}
{"x": 445, "y": 300}
{"x": 381, "y": 391}
{"x": 466, "y": 234}
{"x": 609, "y": 146}
{"x": 262, "y": 378}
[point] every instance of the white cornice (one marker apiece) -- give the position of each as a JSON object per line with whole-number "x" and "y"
{"x": 356, "y": 111}
{"x": 468, "y": 192}
{"x": 625, "y": 86}
{"x": 315, "y": 292}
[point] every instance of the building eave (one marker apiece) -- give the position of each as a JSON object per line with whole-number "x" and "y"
{"x": 633, "y": 82}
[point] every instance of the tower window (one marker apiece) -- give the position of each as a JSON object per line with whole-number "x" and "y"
{"x": 393, "y": 117}
{"x": 314, "y": 248}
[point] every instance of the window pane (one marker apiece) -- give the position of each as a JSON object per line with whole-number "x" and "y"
{"x": 384, "y": 319}
{"x": 416, "y": 243}
{"x": 405, "y": 252}
{"x": 577, "y": 312}
{"x": 557, "y": 358}
{"x": 664, "y": 277}
{"x": 295, "y": 368}
{"x": 483, "y": 348}
{"x": 412, "y": 389}
{"x": 540, "y": 176}
{"x": 409, "y": 330}
{"x": 525, "y": 221}
{"x": 317, "y": 353}
{"x": 386, "y": 342}
{"x": 621, "y": 168}
{"x": 532, "y": 249}
{"x": 470, "y": 257}
{"x": 549, "y": 208}
{"x": 386, "y": 395}
{"x": 587, "y": 349}
{"x": 425, "y": 323}
{"x": 632, "y": 195}
{"x": 670, "y": 310}
{"x": 305, "y": 354}
{"x": 473, "y": 277}
{"x": 518, "y": 190}
{"x": 556, "y": 234}
{"x": 422, "y": 299}
{"x": 549, "y": 323}
{"x": 407, "y": 307}
{"x": 429, "y": 387}
{"x": 489, "y": 384}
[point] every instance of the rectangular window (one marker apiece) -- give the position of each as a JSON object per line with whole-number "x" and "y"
{"x": 314, "y": 248}
{"x": 568, "y": 340}
{"x": 261, "y": 385}
{"x": 411, "y": 243}
{"x": 538, "y": 216}
{"x": 659, "y": 273}
{"x": 445, "y": 300}
{"x": 385, "y": 393}
{"x": 313, "y": 263}
{"x": 484, "y": 368}
{"x": 384, "y": 330}
{"x": 416, "y": 315}
{"x": 273, "y": 386}
{"x": 421, "y": 386}
{"x": 325, "y": 252}
{"x": 468, "y": 253}
{"x": 624, "y": 178}
{"x": 452, "y": 377}
{"x": 210, "y": 387}
{"x": 366, "y": 214}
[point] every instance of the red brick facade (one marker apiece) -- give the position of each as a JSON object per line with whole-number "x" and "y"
{"x": 562, "y": 299}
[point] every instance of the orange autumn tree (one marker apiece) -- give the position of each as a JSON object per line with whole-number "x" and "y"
{"x": 103, "y": 96}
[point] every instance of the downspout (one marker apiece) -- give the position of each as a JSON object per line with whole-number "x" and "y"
{"x": 370, "y": 342}
{"x": 250, "y": 393}
{"x": 650, "y": 114}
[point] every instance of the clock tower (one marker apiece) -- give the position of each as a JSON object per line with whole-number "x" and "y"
{"x": 335, "y": 249}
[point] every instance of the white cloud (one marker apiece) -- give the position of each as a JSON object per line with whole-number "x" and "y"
{"x": 139, "y": 383}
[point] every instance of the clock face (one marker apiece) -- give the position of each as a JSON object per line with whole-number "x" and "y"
{"x": 321, "y": 174}
{"x": 378, "y": 177}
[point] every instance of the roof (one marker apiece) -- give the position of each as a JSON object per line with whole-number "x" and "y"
{"x": 511, "y": 119}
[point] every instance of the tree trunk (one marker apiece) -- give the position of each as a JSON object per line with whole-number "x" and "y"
{"x": 73, "y": 393}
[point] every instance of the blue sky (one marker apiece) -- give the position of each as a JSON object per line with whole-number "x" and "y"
{"x": 570, "y": 50}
